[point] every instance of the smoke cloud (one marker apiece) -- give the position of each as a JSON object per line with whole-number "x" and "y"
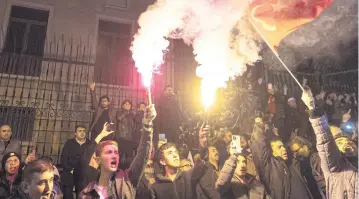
{"x": 222, "y": 39}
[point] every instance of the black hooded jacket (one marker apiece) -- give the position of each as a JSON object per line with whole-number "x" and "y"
{"x": 6, "y": 187}
{"x": 183, "y": 187}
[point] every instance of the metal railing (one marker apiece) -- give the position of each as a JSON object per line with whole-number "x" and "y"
{"x": 44, "y": 98}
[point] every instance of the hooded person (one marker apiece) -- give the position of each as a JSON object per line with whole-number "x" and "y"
{"x": 171, "y": 181}
{"x": 10, "y": 177}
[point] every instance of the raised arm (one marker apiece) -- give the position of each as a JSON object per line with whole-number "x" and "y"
{"x": 260, "y": 146}
{"x": 135, "y": 171}
{"x": 226, "y": 174}
{"x": 330, "y": 157}
{"x": 94, "y": 101}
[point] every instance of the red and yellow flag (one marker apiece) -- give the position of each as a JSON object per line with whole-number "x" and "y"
{"x": 275, "y": 19}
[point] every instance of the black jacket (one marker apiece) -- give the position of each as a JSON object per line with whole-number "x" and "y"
{"x": 183, "y": 187}
{"x": 207, "y": 184}
{"x": 6, "y": 187}
{"x": 143, "y": 189}
{"x": 125, "y": 124}
{"x": 169, "y": 118}
{"x": 306, "y": 171}
{"x": 273, "y": 172}
{"x": 71, "y": 156}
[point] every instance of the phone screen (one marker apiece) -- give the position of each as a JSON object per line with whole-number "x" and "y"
{"x": 162, "y": 137}
{"x": 236, "y": 139}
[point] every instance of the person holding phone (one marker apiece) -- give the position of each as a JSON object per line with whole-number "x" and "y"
{"x": 234, "y": 181}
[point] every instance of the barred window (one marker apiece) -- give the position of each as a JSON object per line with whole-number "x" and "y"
{"x": 21, "y": 121}
{"x": 114, "y": 63}
{"x": 25, "y": 36}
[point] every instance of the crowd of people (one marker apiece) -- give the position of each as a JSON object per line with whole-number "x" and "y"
{"x": 299, "y": 149}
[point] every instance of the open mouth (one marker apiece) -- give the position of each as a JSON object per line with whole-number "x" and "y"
{"x": 348, "y": 149}
{"x": 113, "y": 163}
{"x": 46, "y": 195}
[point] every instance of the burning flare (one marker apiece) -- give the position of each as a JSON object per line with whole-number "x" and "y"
{"x": 218, "y": 30}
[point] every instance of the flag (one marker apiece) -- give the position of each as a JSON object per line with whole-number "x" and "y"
{"x": 275, "y": 19}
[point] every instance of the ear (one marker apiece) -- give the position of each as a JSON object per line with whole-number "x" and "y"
{"x": 97, "y": 159}
{"x": 24, "y": 187}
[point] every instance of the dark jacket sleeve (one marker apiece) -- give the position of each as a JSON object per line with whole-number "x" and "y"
{"x": 207, "y": 184}
{"x": 225, "y": 176}
{"x": 94, "y": 102}
{"x": 65, "y": 154}
{"x": 198, "y": 171}
{"x": 134, "y": 172}
{"x": 260, "y": 148}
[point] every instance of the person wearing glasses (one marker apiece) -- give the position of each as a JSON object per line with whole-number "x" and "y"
{"x": 302, "y": 151}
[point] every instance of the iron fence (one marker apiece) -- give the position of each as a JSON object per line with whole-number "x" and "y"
{"x": 341, "y": 82}
{"x": 44, "y": 97}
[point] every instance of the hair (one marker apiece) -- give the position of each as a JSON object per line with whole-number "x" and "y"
{"x": 140, "y": 103}
{"x": 301, "y": 141}
{"x": 160, "y": 151}
{"x": 1, "y": 125}
{"x": 36, "y": 166}
{"x": 100, "y": 146}
{"x": 47, "y": 158}
{"x": 167, "y": 86}
{"x": 245, "y": 136}
{"x": 125, "y": 101}
{"x": 105, "y": 97}
{"x": 204, "y": 152}
{"x": 79, "y": 126}
{"x": 183, "y": 151}
{"x": 274, "y": 139}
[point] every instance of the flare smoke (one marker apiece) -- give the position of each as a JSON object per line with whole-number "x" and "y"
{"x": 218, "y": 30}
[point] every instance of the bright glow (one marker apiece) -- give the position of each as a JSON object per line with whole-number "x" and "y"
{"x": 222, "y": 39}
{"x": 147, "y": 79}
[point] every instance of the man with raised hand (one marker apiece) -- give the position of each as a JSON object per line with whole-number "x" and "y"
{"x": 339, "y": 157}
{"x": 114, "y": 183}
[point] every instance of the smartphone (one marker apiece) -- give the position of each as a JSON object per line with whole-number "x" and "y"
{"x": 236, "y": 140}
{"x": 162, "y": 137}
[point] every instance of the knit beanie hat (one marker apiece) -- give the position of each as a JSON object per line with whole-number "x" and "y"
{"x": 7, "y": 156}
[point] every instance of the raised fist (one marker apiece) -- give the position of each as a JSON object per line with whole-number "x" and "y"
{"x": 92, "y": 86}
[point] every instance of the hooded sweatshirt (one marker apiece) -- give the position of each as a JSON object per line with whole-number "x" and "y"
{"x": 182, "y": 187}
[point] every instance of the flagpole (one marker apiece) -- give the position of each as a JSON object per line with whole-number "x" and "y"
{"x": 276, "y": 54}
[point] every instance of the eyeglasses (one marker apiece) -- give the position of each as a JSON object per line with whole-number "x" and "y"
{"x": 296, "y": 151}
{"x": 186, "y": 165}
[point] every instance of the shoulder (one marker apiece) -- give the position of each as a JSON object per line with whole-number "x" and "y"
{"x": 120, "y": 174}
{"x": 255, "y": 184}
{"x": 70, "y": 141}
{"x": 88, "y": 189}
{"x": 14, "y": 141}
